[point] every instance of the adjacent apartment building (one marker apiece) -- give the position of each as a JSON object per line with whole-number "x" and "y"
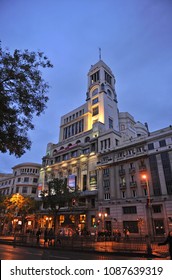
{"x": 123, "y": 171}
{"x": 23, "y": 180}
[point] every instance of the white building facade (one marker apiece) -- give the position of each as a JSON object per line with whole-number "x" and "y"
{"x": 105, "y": 153}
{"x": 23, "y": 180}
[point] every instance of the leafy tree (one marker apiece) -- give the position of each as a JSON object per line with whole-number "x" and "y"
{"x": 23, "y": 93}
{"x": 58, "y": 195}
{"x": 17, "y": 205}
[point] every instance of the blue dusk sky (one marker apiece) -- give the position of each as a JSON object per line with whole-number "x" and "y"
{"x": 135, "y": 37}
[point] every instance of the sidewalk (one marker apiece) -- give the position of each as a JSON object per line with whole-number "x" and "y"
{"x": 88, "y": 245}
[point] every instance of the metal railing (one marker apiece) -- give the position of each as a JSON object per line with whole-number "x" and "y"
{"x": 89, "y": 243}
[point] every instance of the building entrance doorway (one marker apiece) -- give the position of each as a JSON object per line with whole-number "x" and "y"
{"x": 108, "y": 226}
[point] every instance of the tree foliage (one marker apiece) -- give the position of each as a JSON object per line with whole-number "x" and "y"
{"x": 23, "y": 94}
{"x": 18, "y": 205}
{"x": 58, "y": 195}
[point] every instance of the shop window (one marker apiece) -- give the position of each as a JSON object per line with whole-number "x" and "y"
{"x": 93, "y": 221}
{"x": 132, "y": 226}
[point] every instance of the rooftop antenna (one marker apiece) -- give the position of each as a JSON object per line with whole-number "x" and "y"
{"x": 100, "y": 56}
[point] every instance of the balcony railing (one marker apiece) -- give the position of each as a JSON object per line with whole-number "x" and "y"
{"x": 142, "y": 168}
{"x": 143, "y": 184}
{"x": 132, "y": 170}
{"x": 122, "y": 185}
{"x": 133, "y": 184}
{"x": 121, "y": 172}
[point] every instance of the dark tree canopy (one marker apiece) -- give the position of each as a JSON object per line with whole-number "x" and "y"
{"x": 58, "y": 195}
{"x": 23, "y": 94}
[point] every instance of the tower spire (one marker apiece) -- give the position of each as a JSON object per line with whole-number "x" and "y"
{"x": 100, "y": 55}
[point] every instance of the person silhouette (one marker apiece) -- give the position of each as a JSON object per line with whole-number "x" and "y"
{"x": 38, "y": 233}
{"x": 168, "y": 241}
{"x": 45, "y": 236}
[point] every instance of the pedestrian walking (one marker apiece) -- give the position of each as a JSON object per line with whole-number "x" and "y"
{"x": 45, "y": 236}
{"x": 127, "y": 234}
{"x": 168, "y": 241}
{"x": 50, "y": 237}
{"x": 38, "y": 233}
{"x": 118, "y": 238}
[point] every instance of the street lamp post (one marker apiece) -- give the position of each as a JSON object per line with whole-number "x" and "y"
{"x": 149, "y": 216}
{"x": 144, "y": 176}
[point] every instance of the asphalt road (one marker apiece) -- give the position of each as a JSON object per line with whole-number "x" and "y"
{"x": 8, "y": 252}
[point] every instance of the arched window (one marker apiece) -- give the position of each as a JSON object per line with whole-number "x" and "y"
{"x": 61, "y": 148}
{"x": 87, "y": 139}
{"x": 95, "y": 91}
{"x": 78, "y": 141}
{"x": 54, "y": 152}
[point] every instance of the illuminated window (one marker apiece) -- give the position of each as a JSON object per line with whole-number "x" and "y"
{"x": 82, "y": 218}
{"x": 93, "y": 221}
{"x": 61, "y": 219}
{"x": 72, "y": 218}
